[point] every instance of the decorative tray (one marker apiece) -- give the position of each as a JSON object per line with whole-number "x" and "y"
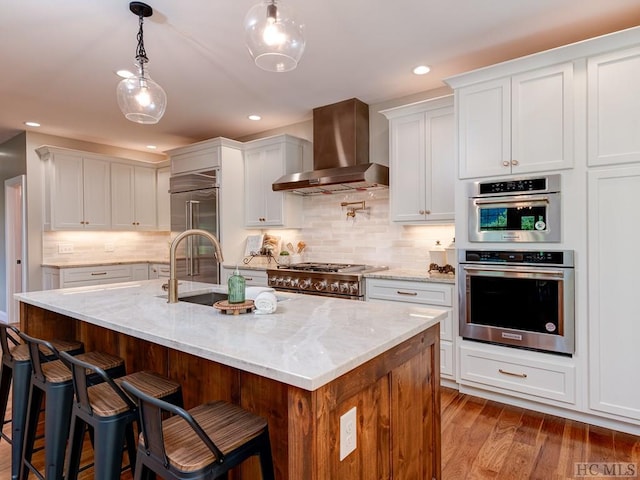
{"x": 234, "y": 308}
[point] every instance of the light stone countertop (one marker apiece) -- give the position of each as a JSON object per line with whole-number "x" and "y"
{"x": 413, "y": 275}
{"x": 100, "y": 263}
{"x": 307, "y": 343}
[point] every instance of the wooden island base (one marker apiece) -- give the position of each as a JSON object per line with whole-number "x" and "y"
{"x": 397, "y": 396}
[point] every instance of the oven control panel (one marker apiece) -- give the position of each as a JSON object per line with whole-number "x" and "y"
{"x": 535, "y": 257}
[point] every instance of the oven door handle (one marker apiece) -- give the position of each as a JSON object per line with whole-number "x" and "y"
{"x": 535, "y": 271}
{"x": 511, "y": 200}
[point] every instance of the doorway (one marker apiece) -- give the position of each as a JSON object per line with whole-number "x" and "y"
{"x": 15, "y": 215}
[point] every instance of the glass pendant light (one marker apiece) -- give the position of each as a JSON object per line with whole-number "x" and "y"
{"x": 274, "y": 38}
{"x": 140, "y": 98}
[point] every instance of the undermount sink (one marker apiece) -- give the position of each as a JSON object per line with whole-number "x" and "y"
{"x": 204, "y": 298}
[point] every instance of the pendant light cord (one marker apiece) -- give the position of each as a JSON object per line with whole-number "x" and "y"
{"x": 141, "y": 54}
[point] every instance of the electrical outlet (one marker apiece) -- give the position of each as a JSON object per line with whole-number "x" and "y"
{"x": 65, "y": 248}
{"x": 348, "y": 433}
{"x": 109, "y": 247}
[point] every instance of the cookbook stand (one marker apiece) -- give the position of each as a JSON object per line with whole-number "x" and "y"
{"x": 269, "y": 256}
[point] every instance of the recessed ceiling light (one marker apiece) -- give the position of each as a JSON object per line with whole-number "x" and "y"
{"x": 421, "y": 70}
{"x": 124, "y": 73}
{"x": 255, "y": 118}
{"x": 32, "y": 124}
{"x": 151, "y": 147}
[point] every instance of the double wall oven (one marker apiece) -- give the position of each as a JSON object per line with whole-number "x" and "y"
{"x": 337, "y": 280}
{"x": 517, "y": 295}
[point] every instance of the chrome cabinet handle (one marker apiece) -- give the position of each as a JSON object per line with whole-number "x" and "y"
{"x": 519, "y": 375}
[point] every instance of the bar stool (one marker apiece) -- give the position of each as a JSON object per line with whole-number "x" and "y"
{"x": 53, "y": 380}
{"x": 204, "y": 442}
{"x": 110, "y": 414}
{"x": 16, "y": 369}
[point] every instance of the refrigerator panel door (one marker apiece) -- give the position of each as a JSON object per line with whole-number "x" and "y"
{"x": 196, "y": 209}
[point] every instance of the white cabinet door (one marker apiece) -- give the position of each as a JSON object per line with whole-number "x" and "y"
{"x": 484, "y": 129}
{"x": 79, "y": 197}
{"x": 144, "y": 198}
{"x": 264, "y": 162}
{"x": 518, "y": 124}
{"x": 66, "y": 202}
{"x": 133, "y": 194}
{"x": 422, "y": 161}
{"x": 542, "y": 118}
{"x": 163, "y": 199}
{"x": 97, "y": 198}
{"x": 614, "y": 310}
{"x": 614, "y": 107}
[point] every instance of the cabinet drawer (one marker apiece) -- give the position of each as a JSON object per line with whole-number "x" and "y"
{"x": 522, "y": 372}
{"x": 256, "y": 278}
{"x": 70, "y": 277}
{"x": 410, "y": 292}
{"x": 446, "y": 358}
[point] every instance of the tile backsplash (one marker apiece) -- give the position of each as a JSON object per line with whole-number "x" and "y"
{"x": 104, "y": 246}
{"x": 331, "y": 236}
{"x": 369, "y": 237}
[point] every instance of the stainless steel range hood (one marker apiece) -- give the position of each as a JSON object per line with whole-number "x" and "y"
{"x": 340, "y": 153}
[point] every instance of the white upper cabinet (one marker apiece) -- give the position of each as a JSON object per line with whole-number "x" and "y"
{"x": 77, "y": 193}
{"x": 265, "y": 161}
{"x": 163, "y": 199}
{"x": 613, "y": 96}
{"x": 518, "y": 124}
{"x": 133, "y": 197}
{"x": 422, "y": 161}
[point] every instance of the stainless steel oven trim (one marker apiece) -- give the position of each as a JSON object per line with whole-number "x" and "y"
{"x": 563, "y": 343}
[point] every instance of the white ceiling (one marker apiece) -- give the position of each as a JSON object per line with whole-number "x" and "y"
{"x": 58, "y": 58}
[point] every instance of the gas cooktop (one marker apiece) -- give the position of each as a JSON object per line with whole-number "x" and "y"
{"x": 323, "y": 267}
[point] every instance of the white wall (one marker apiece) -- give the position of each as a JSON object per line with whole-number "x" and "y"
{"x": 12, "y": 164}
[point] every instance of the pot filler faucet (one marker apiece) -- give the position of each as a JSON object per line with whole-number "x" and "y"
{"x": 173, "y": 281}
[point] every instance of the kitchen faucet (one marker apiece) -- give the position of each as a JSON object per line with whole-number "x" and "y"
{"x": 173, "y": 281}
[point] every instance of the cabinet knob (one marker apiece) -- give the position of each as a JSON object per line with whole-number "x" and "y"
{"x": 515, "y": 162}
{"x": 505, "y": 163}
{"x": 81, "y": 222}
{"x": 421, "y": 212}
{"x": 427, "y": 212}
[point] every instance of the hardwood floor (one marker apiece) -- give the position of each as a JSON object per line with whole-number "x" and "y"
{"x": 482, "y": 439}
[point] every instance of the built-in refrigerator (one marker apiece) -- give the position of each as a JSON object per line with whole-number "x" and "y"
{"x": 194, "y": 204}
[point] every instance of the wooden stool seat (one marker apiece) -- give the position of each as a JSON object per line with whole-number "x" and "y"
{"x": 20, "y": 352}
{"x": 228, "y": 425}
{"x": 57, "y": 372}
{"x": 105, "y": 401}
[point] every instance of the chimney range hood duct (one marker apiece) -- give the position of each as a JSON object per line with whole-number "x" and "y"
{"x": 340, "y": 154}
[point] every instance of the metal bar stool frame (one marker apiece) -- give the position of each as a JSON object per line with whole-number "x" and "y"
{"x": 17, "y": 371}
{"x": 58, "y": 399}
{"x": 110, "y": 432}
{"x": 152, "y": 453}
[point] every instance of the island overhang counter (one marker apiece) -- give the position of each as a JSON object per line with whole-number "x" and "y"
{"x": 301, "y": 367}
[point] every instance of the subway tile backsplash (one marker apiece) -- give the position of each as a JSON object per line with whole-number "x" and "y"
{"x": 330, "y": 235}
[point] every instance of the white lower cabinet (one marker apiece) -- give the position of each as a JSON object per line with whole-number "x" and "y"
{"x": 422, "y": 293}
{"x": 257, "y": 278}
{"x": 537, "y": 376}
{"x": 87, "y": 276}
{"x": 158, "y": 270}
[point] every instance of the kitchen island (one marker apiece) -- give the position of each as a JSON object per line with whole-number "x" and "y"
{"x": 302, "y": 368}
